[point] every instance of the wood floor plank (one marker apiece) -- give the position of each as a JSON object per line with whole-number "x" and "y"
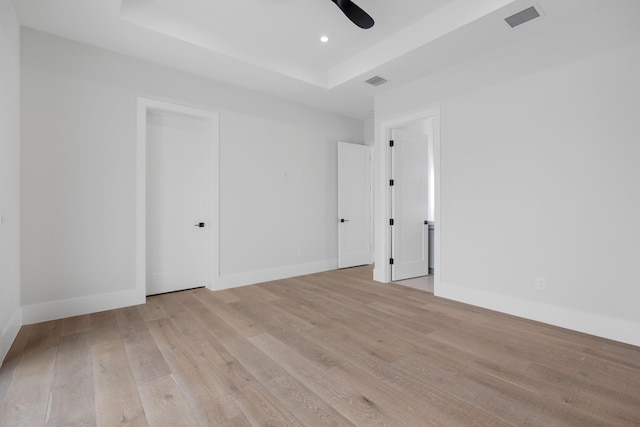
{"x": 346, "y": 307}
{"x": 6, "y": 376}
{"x": 72, "y": 394}
{"x": 145, "y": 358}
{"x": 262, "y": 367}
{"x": 209, "y": 321}
{"x": 152, "y": 310}
{"x": 182, "y": 317}
{"x": 116, "y": 395}
{"x": 255, "y": 401}
{"x": 369, "y": 331}
{"x": 615, "y": 352}
{"x": 383, "y": 339}
{"x": 197, "y": 380}
{"x": 278, "y": 322}
{"x": 28, "y": 398}
{"x": 399, "y": 393}
{"x": 361, "y": 291}
{"x": 204, "y": 302}
{"x": 75, "y": 325}
{"x": 411, "y": 387}
{"x": 415, "y": 403}
{"x": 164, "y": 403}
{"x": 308, "y": 407}
{"x": 483, "y": 347}
{"x": 346, "y": 398}
{"x": 103, "y": 320}
{"x": 260, "y": 293}
{"x": 130, "y": 323}
{"x": 104, "y": 327}
{"x": 516, "y": 405}
{"x": 569, "y": 394}
{"x": 17, "y": 348}
{"x": 227, "y": 296}
{"x": 332, "y": 348}
{"x": 239, "y": 421}
{"x": 373, "y": 340}
{"x": 582, "y": 391}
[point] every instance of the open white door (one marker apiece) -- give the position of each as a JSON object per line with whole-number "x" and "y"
{"x": 178, "y": 202}
{"x": 409, "y": 194}
{"x": 354, "y": 205}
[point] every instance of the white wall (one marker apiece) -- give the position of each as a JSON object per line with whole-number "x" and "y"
{"x": 10, "y": 312}
{"x": 369, "y": 133}
{"x": 539, "y": 175}
{"x": 78, "y": 172}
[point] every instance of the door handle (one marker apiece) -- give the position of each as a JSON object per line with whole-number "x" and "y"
{"x": 344, "y": 220}
{"x": 200, "y": 224}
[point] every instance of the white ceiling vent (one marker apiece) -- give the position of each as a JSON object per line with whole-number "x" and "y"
{"x": 376, "y": 81}
{"x": 526, "y": 15}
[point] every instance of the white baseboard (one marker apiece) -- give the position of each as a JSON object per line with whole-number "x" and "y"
{"x": 53, "y": 310}
{"x": 10, "y": 332}
{"x": 249, "y": 278}
{"x": 589, "y": 323}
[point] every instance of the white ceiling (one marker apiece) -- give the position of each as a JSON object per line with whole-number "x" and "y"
{"x": 273, "y": 46}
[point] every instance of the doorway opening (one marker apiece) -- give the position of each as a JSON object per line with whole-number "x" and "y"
{"x": 411, "y": 165}
{"x": 409, "y": 200}
{"x": 166, "y": 125}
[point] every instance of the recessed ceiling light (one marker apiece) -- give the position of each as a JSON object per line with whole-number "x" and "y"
{"x": 324, "y": 39}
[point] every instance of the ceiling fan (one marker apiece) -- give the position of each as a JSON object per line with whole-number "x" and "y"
{"x": 355, "y": 13}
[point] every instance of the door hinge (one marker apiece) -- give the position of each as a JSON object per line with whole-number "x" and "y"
{"x": 391, "y": 182}
{"x": 391, "y": 221}
{"x": 391, "y": 261}
{"x": 391, "y": 143}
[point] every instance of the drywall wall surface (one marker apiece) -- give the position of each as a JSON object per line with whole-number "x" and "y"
{"x": 10, "y": 312}
{"x": 539, "y": 176}
{"x": 277, "y": 171}
{"x": 369, "y": 133}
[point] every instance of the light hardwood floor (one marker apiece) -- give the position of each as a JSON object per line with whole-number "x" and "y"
{"x": 329, "y": 349}
{"x": 424, "y": 283}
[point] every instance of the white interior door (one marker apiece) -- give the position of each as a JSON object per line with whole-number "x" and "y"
{"x": 409, "y": 194}
{"x": 354, "y": 205}
{"x": 178, "y": 202}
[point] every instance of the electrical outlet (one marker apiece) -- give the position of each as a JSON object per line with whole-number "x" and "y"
{"x": 541, "y": 284}
{"x": 299, "y": 252}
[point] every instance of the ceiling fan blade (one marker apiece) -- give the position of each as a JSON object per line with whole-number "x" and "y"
{"x": 355, "y": 13}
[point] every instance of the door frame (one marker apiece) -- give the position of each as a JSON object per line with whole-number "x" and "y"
{"x": 382, "y": 270}
{"x": 145, "y": 106}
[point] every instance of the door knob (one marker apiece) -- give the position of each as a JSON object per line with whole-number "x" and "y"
{"x": 344, "y": 220}
{"x": 200, "y": 224}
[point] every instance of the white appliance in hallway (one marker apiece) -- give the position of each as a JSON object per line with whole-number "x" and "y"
{"x": 409, "y": 201}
